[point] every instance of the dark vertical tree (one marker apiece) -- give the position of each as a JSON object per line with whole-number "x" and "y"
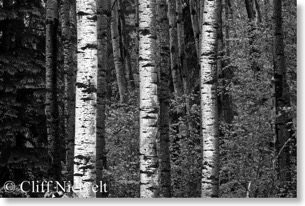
{"x": 51, "y": 104}
{"x": 283, "y": 122}
{"x": 102, "y": 29}
{"x": 164, "y": 97}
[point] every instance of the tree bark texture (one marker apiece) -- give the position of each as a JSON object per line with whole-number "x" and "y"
{"x": 209, "y": 113}
{"x": 149, "y": 105}
{"x": 51, "y": 105}
{"x": 102, "y": 29}
{"x": 117, "y": 53}
{"x": 176, "y": 73}
{"x": 164, "y": 98}
{"x": 86, "y": 99}
{"x": 69, "y": 85}
{"x": 283, "y": 123}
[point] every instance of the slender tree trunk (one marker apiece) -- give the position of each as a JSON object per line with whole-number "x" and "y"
{"x": 117, "y": 53}
{"x": 200, "y": 20}
{"x": 181, "y": 46}
{"x": 252, "y": 32}
{"x": 51, "y": 106}
{"x": 226, "y": 112}
{"x": 124, "y": 46}
{"x": 209, "y": 113}
{"x": 195, "y": 25}
{"x": 224, "y": 69}
{"x": 102, "y": 29}
{"x": 136, "y": 70}
{"x": 73, "y": 67}
{"x": 69, "y": 82}
{"x": 149, "y": 106}
{"x": 176, "y": 73}
{"x": 283, "y": 123}
{"x": 164, "y": 98}
{"x": 86, "y": 100}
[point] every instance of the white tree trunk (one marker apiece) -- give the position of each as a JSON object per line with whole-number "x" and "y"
{"x": 149, "y": 106}
{"x": 85, "y": 112}
{"x": 209, "y": 112}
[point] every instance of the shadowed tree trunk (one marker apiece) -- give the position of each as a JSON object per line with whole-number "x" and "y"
{"x": 117, "y": 53}
{"x": 195, "y": 25}
{"x": 164, "y": 98}
{"x": 254, "y": 20}
{"x": 283, "y": 123}
{"x": 124, "y": 46}
{"x": 176, "y": 73}
{"x": 209, "y": 113}
{"x": 149, "y": 105}
{"x": 86, "y": 99}
{"x": 223, "y": 65}
{"x": 51, "y": 105}
{"x": 69, "y": 82}
{"x": 102, "y": 29}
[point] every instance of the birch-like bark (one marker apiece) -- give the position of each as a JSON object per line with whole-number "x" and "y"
{"x": 51, "y": 104}
{"x": 176, "y": 73}
{"x": 209, "y": 113}
{"x": 149, "y": 105}
{"x": 283, "y": 123}
{"x": 117, "y": 53}
{"x": 86, "y": 100}
{"x": 102, "y": 29}
{"x": 164, "y": 97}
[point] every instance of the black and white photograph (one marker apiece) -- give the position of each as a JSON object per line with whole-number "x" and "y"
{"x": 148, "y": 99}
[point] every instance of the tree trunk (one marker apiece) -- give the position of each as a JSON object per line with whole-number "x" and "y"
{"x": 209, "y": 113}
{"x": 224, "y": 68}
{"x": 283, "y": 123}
{"x": 149, "y": 106}
{"x": 164, "y": 98}
{"x": 194, "y": 18}
{"x": 73, "y": 67}
{"x": 117, "y": 53}
{"x": 176, "y": 73}
{"x": 51, "y": 106}
{"x": 136, "y": 70}
{"x": 125, "y": 47}
{"x": 86, "y": 101}
{"x": 69, "y": 81}
{"x": 181, "y": 46}
{"x": 252, "y": 32}
{"x": 102, "y": 29}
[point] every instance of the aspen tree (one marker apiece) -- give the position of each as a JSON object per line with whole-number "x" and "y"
{"x": 149, "y": 105}
{"x": 209, "y": 113}
{"x": 86, "y": 99}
